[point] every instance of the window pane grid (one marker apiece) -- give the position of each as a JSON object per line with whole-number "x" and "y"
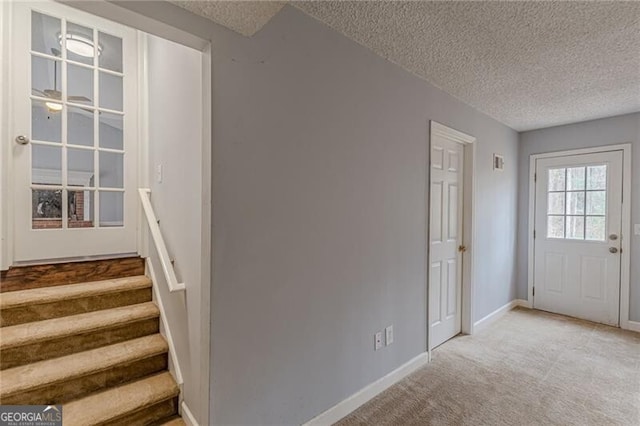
{"x": 67, "y": 186}
{"x": 576, "y": 203}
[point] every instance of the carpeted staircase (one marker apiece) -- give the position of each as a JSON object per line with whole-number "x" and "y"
{"x": 94, "y": 347}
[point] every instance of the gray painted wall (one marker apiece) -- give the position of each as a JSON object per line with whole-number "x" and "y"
{"x": 320, "y": 154}
{"x": 319, "y": 181}
{"x": 607, "y": 131}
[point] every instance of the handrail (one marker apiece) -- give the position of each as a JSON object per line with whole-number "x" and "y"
{"x": 167, "y": 329}
{"x": 156, "y": 234}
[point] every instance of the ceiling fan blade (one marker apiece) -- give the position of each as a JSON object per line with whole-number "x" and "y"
{"x": 78, "y": 99}
{"x": 53, "y": 94}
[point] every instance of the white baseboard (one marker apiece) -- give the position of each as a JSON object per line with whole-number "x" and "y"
{"x": 632, "y": 325}
{"x": 367, "y": 393}
{"x": 525, "y": 303}
{"x": 483, "y": 323}
{"x": 187, "y": 415}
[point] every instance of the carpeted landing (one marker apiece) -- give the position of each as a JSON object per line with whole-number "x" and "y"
{"x": 528, "y": 368}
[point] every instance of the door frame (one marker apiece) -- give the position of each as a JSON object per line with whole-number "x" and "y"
{"x": 468, "y": 222}
{"x": 6, "y": 163}
{"x": 625, "y": 261}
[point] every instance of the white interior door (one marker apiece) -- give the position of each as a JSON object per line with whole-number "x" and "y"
{"x": 74, "y": 79}
{"x": 445, "y": 233}
{"x": 578, "y": 224}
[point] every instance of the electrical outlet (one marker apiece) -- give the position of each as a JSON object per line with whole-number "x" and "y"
{"x": 378, "y": 340}
{"x": 388, "y": 335}
{"x": 159, "y": 173}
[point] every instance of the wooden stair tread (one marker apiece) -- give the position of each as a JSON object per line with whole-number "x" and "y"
{"x": 49, "y": 372}
{"x": 38, "y": 296}
{"x": 119, "y": 401}
{"x": 38, "y": 331}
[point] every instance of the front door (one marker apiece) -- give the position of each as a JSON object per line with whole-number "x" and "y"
{"x": 578, "y": 220}
{"x": 74, "y": 79}
{"x": 445, "y": 236}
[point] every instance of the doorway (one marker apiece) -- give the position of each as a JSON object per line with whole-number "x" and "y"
{"x": 77, "y": 222}
{"x": 450, "y": 225}
{"x": 579, "y": 235}
{"x": 74, "y": 134}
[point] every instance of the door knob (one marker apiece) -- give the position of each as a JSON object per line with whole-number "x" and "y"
{"x": 462, "y": 249}
{"x": 613, "y": 250}
{"x": 22, "y": 140}
{"x": 613, "y": 237}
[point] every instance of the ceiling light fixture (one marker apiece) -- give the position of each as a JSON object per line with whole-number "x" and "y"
{"x": 53, "y": 107}
{"x": 80, "y": 44}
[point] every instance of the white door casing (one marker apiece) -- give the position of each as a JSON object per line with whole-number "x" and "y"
{"x": 578, "y": 234}
{"x": 82, "y": 155}
{"x": 445, "y": 238}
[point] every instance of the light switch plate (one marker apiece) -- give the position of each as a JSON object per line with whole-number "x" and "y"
{"x": 388, "y": 335}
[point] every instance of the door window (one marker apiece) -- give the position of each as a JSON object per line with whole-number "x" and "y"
{"x": 77, "y": 121}
{"x": 576, "y": 203}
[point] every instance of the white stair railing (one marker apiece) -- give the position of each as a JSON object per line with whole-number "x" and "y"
{"x": 158, "y": 241}
{"x": 174, "y": 286}
{"x": 167, "y": 329}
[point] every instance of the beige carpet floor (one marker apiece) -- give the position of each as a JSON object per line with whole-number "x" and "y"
{"x": 528, "y": 368}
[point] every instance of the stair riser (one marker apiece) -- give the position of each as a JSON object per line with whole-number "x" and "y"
{"x": 172, "y": 421}
{"x": 38, "y": 276}
{"x": 149, "y": 415}
{"x": 40, "y": 312}
{"x": 62, "y": 392}
{"x": 13, "y": 357}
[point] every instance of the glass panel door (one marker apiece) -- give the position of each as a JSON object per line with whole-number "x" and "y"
{"x": 79, "y": 166}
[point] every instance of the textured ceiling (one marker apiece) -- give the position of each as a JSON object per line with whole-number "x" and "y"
{"x": 245, "y": 17}
{"x": 528, "y": 64}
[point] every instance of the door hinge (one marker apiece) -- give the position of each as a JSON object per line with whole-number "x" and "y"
{"x": 535, "y": 177}
{"x": 534, "y": 234}
{"x": 534, "y": 291}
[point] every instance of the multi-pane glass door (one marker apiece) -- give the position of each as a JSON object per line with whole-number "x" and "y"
{"x": 81, "y": 120}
